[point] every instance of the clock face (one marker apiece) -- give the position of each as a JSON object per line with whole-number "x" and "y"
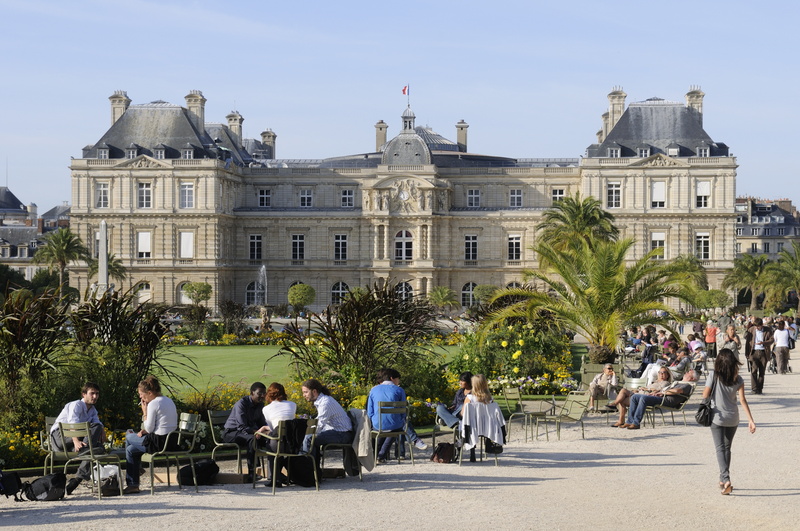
{"x": 404, "y": 195}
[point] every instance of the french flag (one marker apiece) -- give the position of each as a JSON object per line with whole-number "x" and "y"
{"x": 405, "y": 90}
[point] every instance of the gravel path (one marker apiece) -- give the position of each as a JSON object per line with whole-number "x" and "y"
{"x": 648, "y": 479}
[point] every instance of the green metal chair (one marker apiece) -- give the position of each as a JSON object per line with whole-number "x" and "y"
{"x": 391, "y": 408}
{"x": 281, "y": 451}
{"x": 216, "y": 421}
{"x": 82, "y": 430}
{"x": 573, "y": 410}
{"x": 185, "y": 437}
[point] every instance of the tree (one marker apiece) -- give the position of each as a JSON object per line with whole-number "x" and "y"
{"x": 300, "y": 296}
{"x": 748, "y": 273}
{"x": 483, "y": 292}
{"x": 61, "y": 248}
{"x": 11, "y": 279}
{"x": 197, "y": 292}
{"x": 233, "y": 315}
{"x": 443, "y": 297}
{"x": 575, "y": 218}
{"x": 783, "y": 276}
{"x": 590, "y": 288}
{"x": 116, "y": 269}
{"x": 712, "y": 298}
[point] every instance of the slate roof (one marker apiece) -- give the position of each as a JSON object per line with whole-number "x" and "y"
{"x": 152, "y": 124}
{"x": 9, "y": 202}
{"x": 57, "y": 212}
{"x": 659, "y": 124}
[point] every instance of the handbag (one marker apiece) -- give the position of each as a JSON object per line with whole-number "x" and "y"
{"x": 705, "y": 415}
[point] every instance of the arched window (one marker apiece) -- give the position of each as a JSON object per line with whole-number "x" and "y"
{"x": 143, "y": 292}
{"x": 255, "y": 294}
{"x": 467, "y": 298}
{"x": 404, "y": 291}
{"x": 183, "y": 298}
{"x": 338, "y": 291}
{"x": 296, "y": 282}
{"x": 513, "y": 285}
{"x": 403, "y": 246}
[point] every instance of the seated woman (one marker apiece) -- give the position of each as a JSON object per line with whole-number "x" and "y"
{"x": 481, "y": 417}
{"x": 278, "y": 408}
{"x": 623, "y": 400}
{"x": 602, "y": 384}
{"x": 159, "y": 418}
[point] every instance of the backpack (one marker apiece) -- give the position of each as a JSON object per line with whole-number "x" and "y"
{"x": 444, "y": 453}
{"x": 205, "y": 470}
{"x": 10, "y": 484}
{"x": 48, "y": 488}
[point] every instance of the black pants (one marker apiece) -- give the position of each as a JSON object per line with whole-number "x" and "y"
{"x": 246, "y": 441}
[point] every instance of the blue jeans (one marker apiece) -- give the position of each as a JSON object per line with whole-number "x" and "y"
{"x": 723, "y": 438}
{"x": 639, "y": 404}
{"x": 327, "y": 437}
{"x": 385, "y": 444}
{"x": 451, "y": 419}
{"x": 134, "y": 448}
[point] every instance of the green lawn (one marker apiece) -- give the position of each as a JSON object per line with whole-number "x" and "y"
{"x": 237, "y": 362}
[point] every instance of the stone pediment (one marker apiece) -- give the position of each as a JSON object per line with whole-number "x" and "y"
{"x": 143, "y": 161}
{"x": 401, "y": 195}
{"x": 659, "y": 160}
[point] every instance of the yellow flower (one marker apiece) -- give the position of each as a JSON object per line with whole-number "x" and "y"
{"x": 466, "y": 356}
{"x": 504, "y": 344}
{"x": 517, "y": 354}
{"x": 516, "y": 369}
{"x": 521, "y": 343}
{"x": 511, "y": 327}
{"x": 12, "y": 448}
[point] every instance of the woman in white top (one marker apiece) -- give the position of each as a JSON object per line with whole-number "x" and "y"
{"x": 159, "y": 418}
{"x": 278, "y": 408}
{"x": 781, "y": 336}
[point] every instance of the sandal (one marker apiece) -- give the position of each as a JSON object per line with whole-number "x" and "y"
{"x": 618, "y": 425}
{"x": 727, "y": 488}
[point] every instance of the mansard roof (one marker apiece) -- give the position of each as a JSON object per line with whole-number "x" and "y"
{"x": 9, "y": 202}
{"x": 660, "y": 124}
{"x": 158, "y": 125}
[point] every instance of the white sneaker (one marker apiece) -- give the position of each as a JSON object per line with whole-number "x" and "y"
{"x": 421, "y": 445}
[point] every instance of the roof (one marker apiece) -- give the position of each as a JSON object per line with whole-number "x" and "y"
{"x": 9, "y": 202}
{"x": 660, "y": 124}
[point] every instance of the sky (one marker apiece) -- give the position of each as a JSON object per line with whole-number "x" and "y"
{"x": 530, "y": 78}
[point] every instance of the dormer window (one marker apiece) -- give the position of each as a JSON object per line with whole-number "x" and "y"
{"x": 673, "y": 150}
{"x": 643, "y": 152}
{"x": 613, "y": 153}
{"x": 703, "y": 152}
{"x": 187, "y": 154}
{"x": 159, "y": 153}
{"x": 130, "y": 153}
{"x": 102, "y": 153}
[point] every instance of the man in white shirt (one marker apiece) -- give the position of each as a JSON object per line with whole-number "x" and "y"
{"x": 83, "y": 410}
{"x": 781, "y": 336}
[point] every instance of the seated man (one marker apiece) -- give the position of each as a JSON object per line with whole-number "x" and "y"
{"x": 602, "y": 385}
{"x": 389, "y": 390}
{"x": 333, "y": 423}
{"x": 451, "y": 416}
{"x": 82, "y": 410}
{"x": 246, "y": 423}
{"x": 682, "y": 363}
{"x": 672, "y": 396}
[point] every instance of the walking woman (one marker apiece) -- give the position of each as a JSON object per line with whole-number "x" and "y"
{"x": 726, "y": 385}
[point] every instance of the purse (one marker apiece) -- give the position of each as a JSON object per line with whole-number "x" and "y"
{"x": 705, "y": 415}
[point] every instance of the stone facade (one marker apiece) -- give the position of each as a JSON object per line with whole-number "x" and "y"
{"x": 202, "y": 204}
{"x": 765, "y": 226}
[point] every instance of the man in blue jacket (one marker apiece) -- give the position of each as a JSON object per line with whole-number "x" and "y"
{"x": 388, "y": 390}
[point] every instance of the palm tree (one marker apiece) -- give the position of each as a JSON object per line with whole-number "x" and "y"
{"x": 747, "y": 274}
{"x": 783, "y": 276}
{"x": 116, "y": 269}
{"x": 61, "y": 247}
{"x": 592, "y": 289}
{"x": 574, "y": 218}
{"x": 443, "y": 297}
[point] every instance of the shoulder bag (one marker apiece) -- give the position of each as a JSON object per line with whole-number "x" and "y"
{"x": 705, "y": 415}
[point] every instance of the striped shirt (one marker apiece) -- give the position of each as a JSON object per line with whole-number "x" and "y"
{"x": 330, "y": 415}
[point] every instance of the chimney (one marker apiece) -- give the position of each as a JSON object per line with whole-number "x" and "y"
{"x": 268, "y": 139}
{"x": 32, "y": 214}
{"x": 235, "y": 125}
{"x": 196, "y": 105}
{"x": 380, "y": 134}
{"x": 603, "y": 133}
{"x": 694, "y": 100}
{"x": 461, "y": 135}
{"x": 616, "y": 106}
{"x": 119, "y": 104}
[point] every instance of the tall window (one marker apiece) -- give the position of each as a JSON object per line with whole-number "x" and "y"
{"x": 255, "y": 247}
{"x": 515, "y": 198}
{"x": 338, "y": 292}
{"x": 767, "y": 231}
{"x": 753, "y": 248}
{"x": 340, "y": 247}
{"x": 186, "y": 249}
{"x": 657, "y": 240}
{"x": 703, "y": 193}
{"x": 613, "y": 195}
{"x": 143, "y": 245}
{"x": 101, "y": 195}
{"x": 255, "y": 294}
{"x": 780, "y": 247}
{"x": 766, "y": 247}
{"x": 404, "y": 291}
{"x": 298, "y": 247}
{"x": 348, "y": 198}
{"x": 738, "y": 247}
{"x": 473, "y": 198}
{"x": 187, "y": 195}
{"x": 702, "y": 246}
{"x": 514, "y": 247}
{"x": 470, "y": 247}
{"x": 754, "y": 232}
{"x": 467, "y": 298}
{"x": 739, "y": 231}
{"x": 306, "y": 198}
{"x": 557, "y": 194}
{"x": 403, "y": 246}
{"x": 658, "y": 194}
{"x": 781, "y": 231}
{"x": 265, "y": 197}
{"x": 144, "y": 292}
{"x": 144, "y": 199}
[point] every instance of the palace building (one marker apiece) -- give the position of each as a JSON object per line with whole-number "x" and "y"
{"x": 188, "y": 200}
